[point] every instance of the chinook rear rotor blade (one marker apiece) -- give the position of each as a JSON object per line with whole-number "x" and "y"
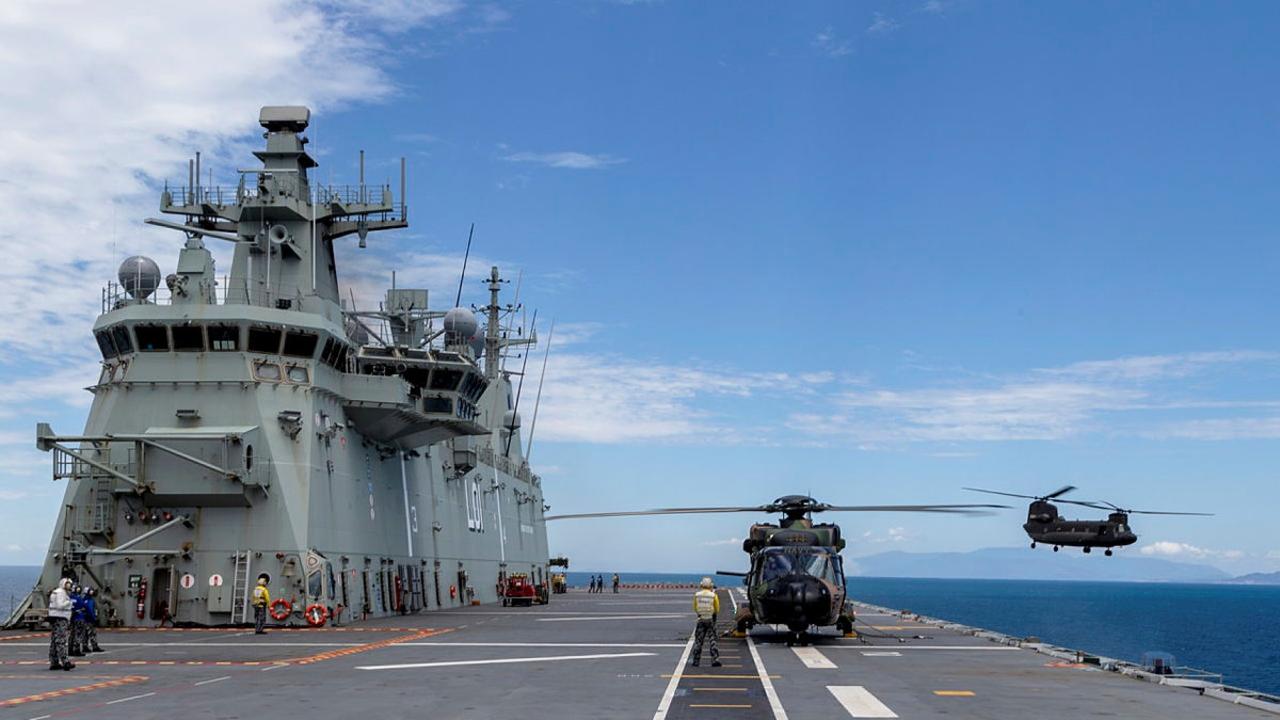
{"x": 1104, "y": 505}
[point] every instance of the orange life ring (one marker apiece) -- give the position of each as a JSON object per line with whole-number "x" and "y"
{"x": 280, "y": 609}
{"x": 453, "y": 591}
{"x": 316, "y": 614}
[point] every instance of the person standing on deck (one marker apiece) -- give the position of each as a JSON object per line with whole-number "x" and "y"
{"x": 706, "y": 605}
{"x": 75, "y": 634}
{"x": 60, "y": 621}
{"x": 91, "y": 621}
{"x": 617, "y": 582}
{"x": 261, "y": 599}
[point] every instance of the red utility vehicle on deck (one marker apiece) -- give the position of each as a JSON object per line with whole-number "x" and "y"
{"x": 518, "y": 591}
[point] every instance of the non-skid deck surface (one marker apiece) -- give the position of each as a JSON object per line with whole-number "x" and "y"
{"x": 582, "y": 656}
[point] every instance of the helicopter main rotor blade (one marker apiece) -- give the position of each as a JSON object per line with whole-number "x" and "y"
{"x": 658, "y": 511}
{"x": 997, "y": 492}
{"x": 1161, "y": 512}
{"x": 952, "y": 509}
{"x": 1060, "y": 491}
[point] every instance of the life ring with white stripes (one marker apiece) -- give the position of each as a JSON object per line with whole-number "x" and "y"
{"x": 280, "y": 609}
{"x": 316, "y": 614}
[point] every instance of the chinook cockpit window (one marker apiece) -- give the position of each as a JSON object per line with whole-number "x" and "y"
{"x": 224, "y": 338}
{"x": 188, "y": 338}
{"x": 264, "y": 340}
{"x": 105, "y": 344}
{"x": 300, "y": 344}
{"x": 152, "y": 338}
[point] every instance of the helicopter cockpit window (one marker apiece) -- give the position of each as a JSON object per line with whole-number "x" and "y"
{"x": 819, "y": 565}
{"x": 777, "y": 563}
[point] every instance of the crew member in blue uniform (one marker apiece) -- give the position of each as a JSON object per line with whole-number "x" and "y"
{"x": 76, "y": 647}
{"x": 91, "y": 621}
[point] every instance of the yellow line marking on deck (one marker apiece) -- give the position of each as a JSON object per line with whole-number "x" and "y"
{"x": 954, "y": 693}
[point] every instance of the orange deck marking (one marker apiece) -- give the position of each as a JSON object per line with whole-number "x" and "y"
{"x": 954, "y": 693}
{"x": 126, "y": 680}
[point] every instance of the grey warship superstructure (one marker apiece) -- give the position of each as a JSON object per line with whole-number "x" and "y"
{"x": 369, "y": 462}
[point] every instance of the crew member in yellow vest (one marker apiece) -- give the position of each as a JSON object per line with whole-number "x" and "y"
{"x": 706, "y": 604}
{"x": 261, "y": 600}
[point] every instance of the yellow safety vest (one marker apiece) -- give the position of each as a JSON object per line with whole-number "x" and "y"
{"x": 261, "y": 596}
{"x": 706, "y": 604}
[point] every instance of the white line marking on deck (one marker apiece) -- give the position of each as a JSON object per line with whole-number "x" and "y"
{"x": 131, "y": 697}
{"x": 884, "y": 653}
{"x": 42, "y": 717}
{"x": 215, "y": 644}
{"x": 614, "y": 617}
{"x": 859, "y": 702}
{"x": 665, "y": 704}
{"x": 813, "y": 658}
{"x": 774, "y": 703}
{"x": 734, "y": 601}
{"x": 273, "y": 667}
{"x": 214, "y": 680}
{"x": 537, "y": 644}
{"x": 502, "y": 661}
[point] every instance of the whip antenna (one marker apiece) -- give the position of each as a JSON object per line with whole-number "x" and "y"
{"x": 511, "y": 431}
{"x": 538, "y": 400}
{"x": 465, "y": 256}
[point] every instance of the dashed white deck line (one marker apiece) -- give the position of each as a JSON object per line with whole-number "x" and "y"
{"x": 42, "y": 717}
{"x": 665, "y": 704}
{"x": 664, "y": 616}
{"x": 881, "y": 653}
{"x": 502, "y": 661}
{"x": 772, "y": 695}
{"x": 131, "y": 697}
{"x": 813, "y": 658}
{"x": 859, "y": 702}
{"x": 538, "y": 644}
{"x": 213, "y": 680}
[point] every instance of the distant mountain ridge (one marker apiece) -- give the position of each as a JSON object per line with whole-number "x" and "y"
{"x": 1271, "y": 578}
{"x": 1028, "y": 564}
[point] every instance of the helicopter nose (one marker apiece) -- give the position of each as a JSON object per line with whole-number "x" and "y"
{"x": 798, "y": 599}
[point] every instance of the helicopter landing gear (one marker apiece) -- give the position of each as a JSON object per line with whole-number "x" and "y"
{"x": 743, "y": 623}
{"x": 845, "y": 625}
{"x": 1033, "y": 544}
{"x": 1087, "y": 549}
{"x": 1108, "y": 553}
{"x": 1055, "y": 548}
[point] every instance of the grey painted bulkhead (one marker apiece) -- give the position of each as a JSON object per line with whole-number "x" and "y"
{"x": 266, "y": 450}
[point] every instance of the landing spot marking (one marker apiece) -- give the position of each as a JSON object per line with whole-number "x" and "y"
{"x": 953, "y": 693}
{"x": 859, "y": 702}
{"x": 881, "y": 653}
{"x": 502, "y": 661}
{"x": 813, "y": 658}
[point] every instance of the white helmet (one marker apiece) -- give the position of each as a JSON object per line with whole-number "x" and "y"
{"x": 706, "y": 583}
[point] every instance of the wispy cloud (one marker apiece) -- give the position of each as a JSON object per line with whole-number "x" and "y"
{"x": 829, "y": 43}
{"x": 882, "y": 24}
{"x": 567, "y": 159}
{"x": 1171, "y": 549}
{"x": 934, "y": 7}
{"x": 726, "y": 541}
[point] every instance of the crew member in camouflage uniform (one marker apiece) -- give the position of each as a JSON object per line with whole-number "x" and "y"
{"x": 59, "y": 619}
{"x": 75, "y": 644}
{"x": 706, "y": 604}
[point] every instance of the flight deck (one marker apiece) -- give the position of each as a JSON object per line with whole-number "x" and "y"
{"x": 582, "y": 656}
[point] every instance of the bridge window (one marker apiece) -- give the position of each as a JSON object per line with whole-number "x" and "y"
{"x": 105, "y": 344}
{"x": 300, "y": 344}
{"x": 264, "y": 340}
{"x": 445, "y": 379}
{"x": 188, "y": 338}
{"x": 152, "y": 338}
{"x": 120, "y": 334}
{"x": 224, "y": 337}
{"x": 434, "y": 404}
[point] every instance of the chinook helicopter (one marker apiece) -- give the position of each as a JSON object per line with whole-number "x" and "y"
{"x": 796, "y": 577}
{"x": 1045, "y": 525}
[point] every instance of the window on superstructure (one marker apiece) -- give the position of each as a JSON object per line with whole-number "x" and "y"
{"x": 268, "y": 372}
{"x": 300, "y": 344}
{"x": 105, "y": 344}
{"x": 443, "y": 379}
{"x": 120, "y": 334}
{"x": 152, "y": 338}
{"x": 297, "y": 374}
{"x": 330, "y": 349}
{"x": 264, "y": 340}
{"x": 188, "y": 338}
{"x": 223, "y": 338}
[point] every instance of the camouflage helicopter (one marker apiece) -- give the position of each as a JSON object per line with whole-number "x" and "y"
{"x": 1045, "y": 525}
{"x": 796, "y": 577}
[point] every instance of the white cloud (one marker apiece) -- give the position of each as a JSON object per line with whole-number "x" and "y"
{"x": 1157, "y": 367}
{"x": 892, "y": 535}
{"x": 726, "y": 541}
{"x": 566, "y": 159}
{"x": 829, "y": 43}
{"x": 934, "y": 7}
{"x": 1168, "y": 548}
{"x": 1240, "y": 428}
{"x": 882, "y": 24}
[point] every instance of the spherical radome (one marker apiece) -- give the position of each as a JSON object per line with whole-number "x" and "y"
{"x": 139, "y": 276}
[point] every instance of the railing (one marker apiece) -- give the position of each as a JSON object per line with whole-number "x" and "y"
{"x": 224, "y": 195}
{"x": 115, "y": 297}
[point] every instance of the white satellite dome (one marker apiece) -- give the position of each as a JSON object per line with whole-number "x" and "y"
{"x": 139, "y": 276}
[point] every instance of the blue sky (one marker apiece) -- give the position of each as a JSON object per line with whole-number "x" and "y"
{"x": 872, "y": 251}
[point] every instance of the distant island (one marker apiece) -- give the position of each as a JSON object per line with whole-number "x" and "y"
{"x": 1043, "y": 564}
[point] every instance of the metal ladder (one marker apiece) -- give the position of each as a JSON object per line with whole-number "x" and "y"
{"x": 240, "y": 587}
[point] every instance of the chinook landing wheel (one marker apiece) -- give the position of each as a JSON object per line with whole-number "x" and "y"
{"x": 1033, "y": 544}
{"x": 1087, "y": 549}
{"x": 1055, "y": 548}
{"x": 1108, "y": 553}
